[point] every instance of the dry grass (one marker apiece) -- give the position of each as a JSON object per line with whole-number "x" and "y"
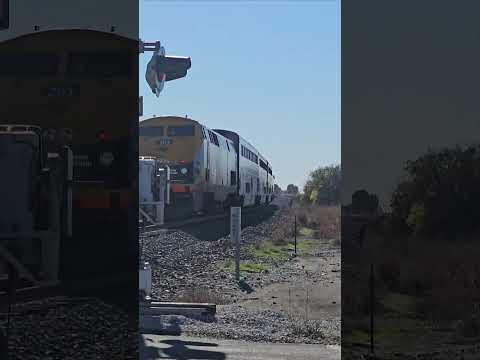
{"x": 283, "y": 231}
{"x": 323, "y": 220}
{"x": 445, "y": 275}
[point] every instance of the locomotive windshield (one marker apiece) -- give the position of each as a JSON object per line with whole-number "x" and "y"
{"x": 151, "y": 131}
{"x": 187, "y": 130}
{"x": 103, "y": 64}
{"x": 28, "y": 65}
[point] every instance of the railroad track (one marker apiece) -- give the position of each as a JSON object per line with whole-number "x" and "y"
{"x": 109, "y": 286}
{"x": 106, "y": 287}
{"x": 154, "y": 229}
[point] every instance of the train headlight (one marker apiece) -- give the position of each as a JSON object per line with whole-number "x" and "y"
{"x": 184, "y": 171}
{"x": 106, "y": 158}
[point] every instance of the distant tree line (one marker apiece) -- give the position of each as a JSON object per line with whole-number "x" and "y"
{"x": 323, "y": 186}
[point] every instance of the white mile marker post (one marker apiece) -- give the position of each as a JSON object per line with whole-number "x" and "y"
{"x": 235, "y": 235}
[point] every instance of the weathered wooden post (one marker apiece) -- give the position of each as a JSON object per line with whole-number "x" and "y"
{"x": 372, "y": 302}
{"x": 295, "y": 231}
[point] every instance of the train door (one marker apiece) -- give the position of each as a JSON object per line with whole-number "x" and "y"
{"x": 208, "y": 195}
{"x": 200, "y": 173}
{"x": 227, "y": 167}
{"x": 207, "y": 167}
{"x": 252, "y": 192}
{"x": 259, "y": 194}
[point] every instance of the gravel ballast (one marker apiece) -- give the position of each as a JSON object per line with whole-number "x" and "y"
{"x": 181, "y": 262}
{"x": 71, "y": 328}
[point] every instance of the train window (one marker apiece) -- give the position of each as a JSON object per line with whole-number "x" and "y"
{"x": 263, "y": 165}
{"x": 184, "y": 130}
{"x": 203, "y": 133}
{"x": 228, "y": 147}
{"x": 103, "y": 64}
{"x": 4, "y": 14}
{"x": 215, "y": 139}
{"x": 233, "y": 178}
{"x": 29, "y": 65}
{"x": 151, "y": 131}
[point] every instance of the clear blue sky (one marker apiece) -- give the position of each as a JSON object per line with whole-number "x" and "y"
{"x": 269, "y": 70}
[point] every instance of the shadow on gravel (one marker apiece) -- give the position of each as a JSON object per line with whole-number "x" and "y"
{"x": 245, "y": 287}
{"x": 219, "y": 228}
{"x": 179, "y": 350}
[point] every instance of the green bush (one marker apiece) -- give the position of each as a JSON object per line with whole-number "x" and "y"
{"x": 323, "y": 186}
{"x": 416, "y": 218}
{"x": 440, "y": 194}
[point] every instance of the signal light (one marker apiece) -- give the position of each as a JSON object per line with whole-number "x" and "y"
{"x": 102, "y": 136}
{"x": 174, "y": 67}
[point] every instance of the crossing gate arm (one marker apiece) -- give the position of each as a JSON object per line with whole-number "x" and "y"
{"x": 159, "y": 212}
{"x": 17, "y": 265}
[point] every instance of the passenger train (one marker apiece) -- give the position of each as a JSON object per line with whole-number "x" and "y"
{"x": 210, "y": 168}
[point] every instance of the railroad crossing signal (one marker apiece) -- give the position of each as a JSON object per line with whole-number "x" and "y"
{"x": 162, "y": 68}
{"x": 155, "y": 79}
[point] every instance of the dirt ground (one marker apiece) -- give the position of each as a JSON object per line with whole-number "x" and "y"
{"x": 312, "y": 292}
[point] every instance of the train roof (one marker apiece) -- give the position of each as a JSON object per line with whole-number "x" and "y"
{"x": 32, "y": 16}
{"x": 160, "y": 119}
{"x": 243, "y": 140}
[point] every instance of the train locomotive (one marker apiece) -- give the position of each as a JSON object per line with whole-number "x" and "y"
{"x": 75, "y": 85}
{"x": 209, "y": 168}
